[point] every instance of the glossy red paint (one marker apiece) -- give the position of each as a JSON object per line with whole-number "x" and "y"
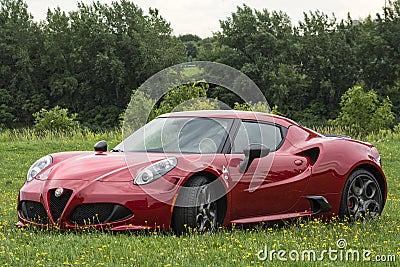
{"x": 305, "y": 164}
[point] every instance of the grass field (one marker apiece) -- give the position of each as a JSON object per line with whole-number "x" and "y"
{"x": 228, "y": 247}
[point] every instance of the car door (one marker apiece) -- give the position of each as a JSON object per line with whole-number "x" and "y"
{"x": 272, "y": 184}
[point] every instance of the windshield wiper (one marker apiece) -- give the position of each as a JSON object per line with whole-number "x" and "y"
{"x": 116, "y": 150}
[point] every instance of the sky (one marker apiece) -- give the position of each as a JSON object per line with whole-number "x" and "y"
{"x": 201, "y": 17}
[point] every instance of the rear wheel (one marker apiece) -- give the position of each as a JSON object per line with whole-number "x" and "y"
{"x": 361, "y": 197}
{"x": 196, "y": 207}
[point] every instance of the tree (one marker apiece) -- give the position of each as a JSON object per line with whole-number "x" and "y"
{"x": 385, "y": 67}
{"x": 307, "y": 68}
{"x": 88, "y": 60}
{"x": 7, "y": 111}
{"x": 95, "y": 55}
{"x": 191, "y": 42}
{"x": 326, "y": 55}
{"x": 362, "y": 112}
{"x": 20, "y": 79}
{"x": 257, "y": 40}
{"x": 264, "y": 46}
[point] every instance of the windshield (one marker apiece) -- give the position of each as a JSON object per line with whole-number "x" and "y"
{"x": 178, "y": 135}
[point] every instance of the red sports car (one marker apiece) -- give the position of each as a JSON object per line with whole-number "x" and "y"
{"x": 201, "y": 169}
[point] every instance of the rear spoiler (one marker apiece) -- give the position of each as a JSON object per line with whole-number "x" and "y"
{"x": 338, "y": 136}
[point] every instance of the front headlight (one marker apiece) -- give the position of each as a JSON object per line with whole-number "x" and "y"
{"x": 38, "y": 166}
{"x": 155, "y": 171}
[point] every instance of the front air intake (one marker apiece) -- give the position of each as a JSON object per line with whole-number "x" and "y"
{"x": 33, "y": 211}
{"x": 99, "y": 213}
{"x": 57, "y": 203}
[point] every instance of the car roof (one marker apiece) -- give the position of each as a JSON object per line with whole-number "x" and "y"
{"x": 238, "y": 114}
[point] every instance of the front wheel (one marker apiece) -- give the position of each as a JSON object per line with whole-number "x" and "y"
{"x": 361, "y": 197}
{"x": 196, "y": 207}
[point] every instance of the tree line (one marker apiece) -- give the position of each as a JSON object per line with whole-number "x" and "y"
{"x": 89, "y": 60}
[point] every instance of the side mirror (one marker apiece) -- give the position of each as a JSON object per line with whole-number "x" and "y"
{"x": 252, "y": 152}
{"x": 101, "y": 146}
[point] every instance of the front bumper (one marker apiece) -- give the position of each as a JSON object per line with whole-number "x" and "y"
{"x": 97, "y": 204}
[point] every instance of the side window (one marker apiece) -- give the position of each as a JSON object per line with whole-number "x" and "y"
{"x": 259, "y": 133}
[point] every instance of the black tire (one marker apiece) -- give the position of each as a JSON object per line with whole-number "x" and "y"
{"x": 192, "y": 210}
{"x": 361, "y": 197}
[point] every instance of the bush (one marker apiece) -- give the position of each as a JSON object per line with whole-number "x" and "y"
{"x": 143, "y": 109}
{"x": 183, "y": 95}
{"x": 257, "y": 107}
{"x": 55, "y": 119}
{"x": 362, "y": 113}
{"x": 198, "y": 104}
{"x": 139, "y": 111}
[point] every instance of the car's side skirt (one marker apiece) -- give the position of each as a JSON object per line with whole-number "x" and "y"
{"x": 318, "y": 204}
{"x": 275, "y": 217}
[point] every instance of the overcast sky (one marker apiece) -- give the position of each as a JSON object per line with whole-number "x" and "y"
{"x": 202, "y": 17}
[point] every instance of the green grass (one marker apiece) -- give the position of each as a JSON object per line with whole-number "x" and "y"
{"x": 34, "y": 247}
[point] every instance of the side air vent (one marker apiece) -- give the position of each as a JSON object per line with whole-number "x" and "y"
{"x": 319, "y": 204}
{"x": 312, "y": 153}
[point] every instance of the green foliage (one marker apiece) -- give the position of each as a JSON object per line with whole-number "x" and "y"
{"x": 287, "y": 87}
{"x": 199, "y": 104}
{"x": 396, "y": 129}
{"x": 260, "y": 107}
{"x": 307, "y": 68}
{"x": 142, "y": 108}
{"x": 55, "y": 119}
{"x": 363, "y": 113}
{"x": 89, "y": 60}
{"x": 191, "y": 43}
{"x": 19, "y": 52}
{"x": 7, "y": 116}
{"x": 241, "y": 106}
{"x": 256, "y": 107}
{"x": 176, "y": 98}
{"x": 275, "y": 110}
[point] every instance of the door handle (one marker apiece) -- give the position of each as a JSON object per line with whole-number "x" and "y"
{"x": 298, "y": 162}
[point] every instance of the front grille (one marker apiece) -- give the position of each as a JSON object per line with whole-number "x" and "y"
{"x": 99, "y": 213}
{"x": 34, "y": 212}
{"x": 57, "y": 204}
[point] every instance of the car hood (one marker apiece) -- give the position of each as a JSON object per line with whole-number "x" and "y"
{"x": 112, "y": 167}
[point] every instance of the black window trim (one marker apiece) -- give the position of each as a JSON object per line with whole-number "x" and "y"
{"x": 229, "y": 127}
